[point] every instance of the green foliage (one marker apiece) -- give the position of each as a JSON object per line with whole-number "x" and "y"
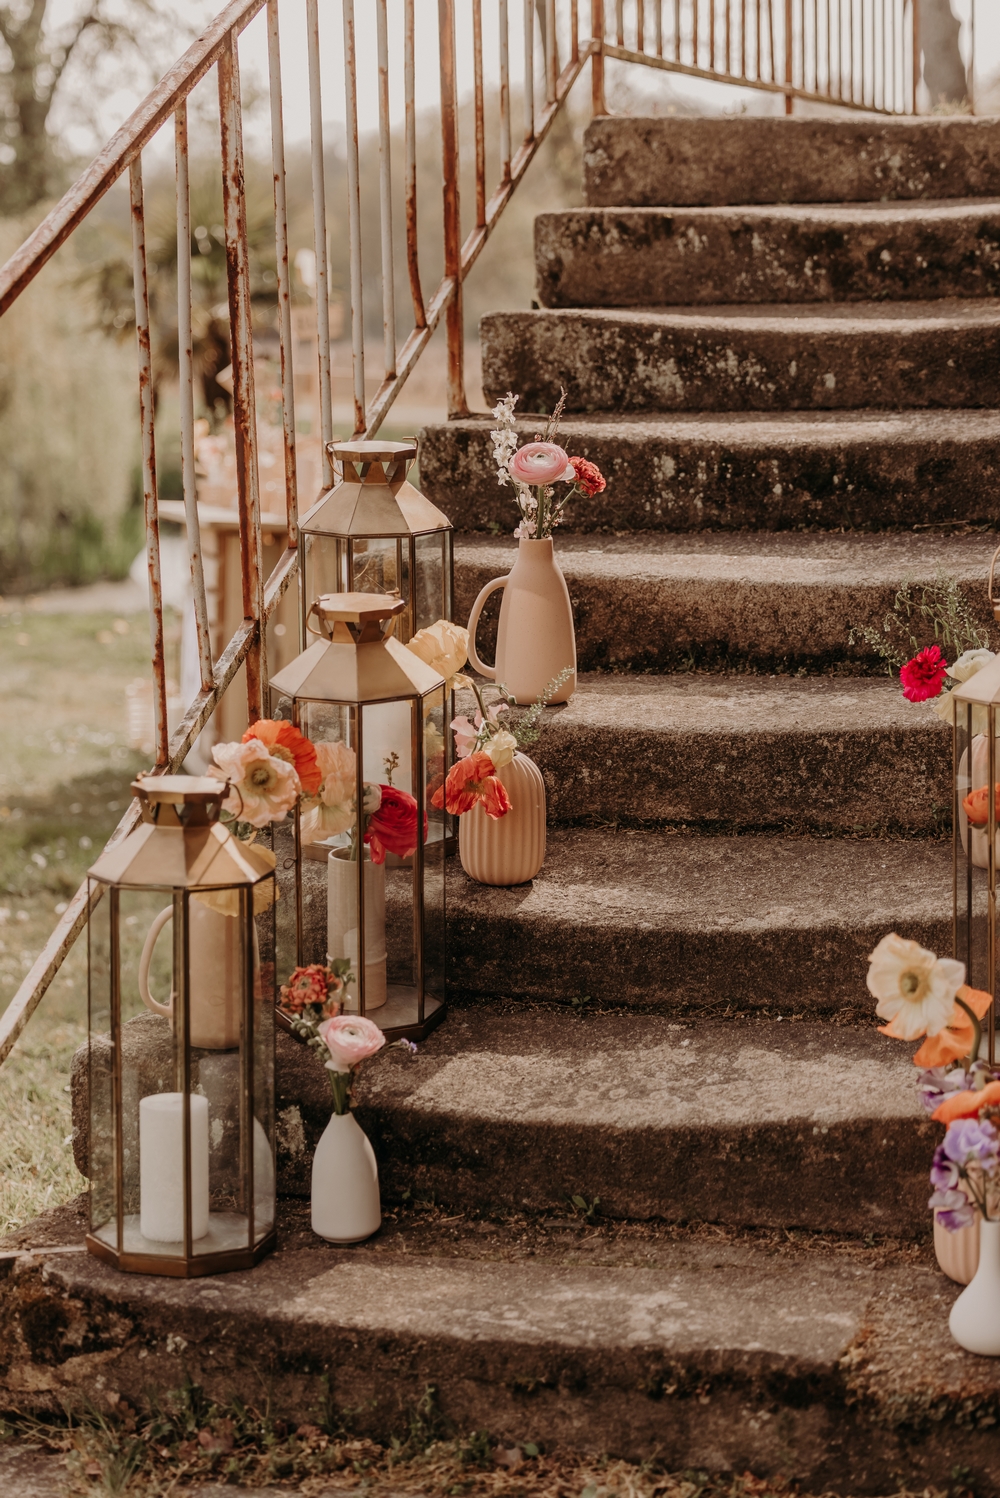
{"x": 588, "y": 1210}
{"x": 923, "y": 614}
{"x": 527, "y": 727}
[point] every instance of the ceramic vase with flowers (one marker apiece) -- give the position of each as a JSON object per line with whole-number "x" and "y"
{"x": 535, "y": 634}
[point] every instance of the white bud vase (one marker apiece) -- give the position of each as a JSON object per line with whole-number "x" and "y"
{"x": 511, "y": 849}
{"x": 975, "y": 1316}
{"x": 345, "y": 1198}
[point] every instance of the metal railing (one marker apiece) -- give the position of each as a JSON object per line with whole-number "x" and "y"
{"x": 858, "y": 53}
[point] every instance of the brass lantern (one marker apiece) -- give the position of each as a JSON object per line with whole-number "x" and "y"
{"x": 361, "y": 866}
{"x": 975, "y": 708}
{"x": 373, "y": 532}
{"x": 181, "y": 1051}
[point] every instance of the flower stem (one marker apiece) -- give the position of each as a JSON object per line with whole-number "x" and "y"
{"x": 977, "y": 1032}
{"x": 340, "y": 1086}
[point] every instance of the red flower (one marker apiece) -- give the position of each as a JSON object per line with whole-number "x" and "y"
{"x": 588, "y": 476}
{"x": 393, "y": 828}
{"x": 284, "y": 741}
{"x": 470, "y": 780}
{"x": 922, "y": 677}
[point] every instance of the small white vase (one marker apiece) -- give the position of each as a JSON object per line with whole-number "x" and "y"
{"x": 975, "y": 1316}
{"x": 345, "y": 1198}
{"x": 507, "y": 850}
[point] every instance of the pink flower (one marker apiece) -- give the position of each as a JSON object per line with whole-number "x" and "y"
{"x": 350, "y": 1039}
{"x": 922, "y": 677}
{"x": 540, "y": 463}
{"x": 262, "y": 788}
{"x": 466, "y": 735}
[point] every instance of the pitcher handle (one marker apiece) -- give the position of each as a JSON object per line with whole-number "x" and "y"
{"x": 490, "y": 672}
{"x": 144, "y": 962}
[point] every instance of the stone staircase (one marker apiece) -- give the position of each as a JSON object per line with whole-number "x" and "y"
{"x": 780, "y": 343}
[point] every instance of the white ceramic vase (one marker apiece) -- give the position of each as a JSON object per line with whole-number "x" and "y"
{"x": 957, "y": 1253}
{"x": 535, "y": 636}
{"x": 975, "y": 1316}
{"x": 345, "y": 1198}
{"x": 510, "y": 850}
{"x": 342, "y": 924}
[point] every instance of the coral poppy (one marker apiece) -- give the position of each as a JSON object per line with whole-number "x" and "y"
{"x": 967, "y": 1104}
{"x": 471, "y": 780}
{"x": 955, "y": 1040}
{"x": 977, "y": 805}
{"x": 923, "y": 676}
{"x": 284, "y": 741}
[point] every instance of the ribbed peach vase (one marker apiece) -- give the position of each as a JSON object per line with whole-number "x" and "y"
{"x": 511, "y": 849}
{"x": 957, "y": 1253}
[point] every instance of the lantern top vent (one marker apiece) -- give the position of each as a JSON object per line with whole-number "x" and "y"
{"x": 372, "y": 452}
{"x": 983, "y": 689}
{"x": 374, "y": 499}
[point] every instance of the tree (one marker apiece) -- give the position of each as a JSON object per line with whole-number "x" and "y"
{"x": 37, "y": 58}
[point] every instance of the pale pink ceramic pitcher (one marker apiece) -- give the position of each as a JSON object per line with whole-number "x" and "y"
{"x": 535, "y": 636}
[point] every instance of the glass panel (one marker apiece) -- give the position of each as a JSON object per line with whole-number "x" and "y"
{"x": 432, "y": 583}
{"x": 263, "y": 1059}
{"x": 391, "y": 834}
{"x": 375, "y": 566}
{"x": 972, "y": 844}
{"x": 324, "y": 567}
{"x": 435, "y": 849}
{"x": 101, "y": 1167}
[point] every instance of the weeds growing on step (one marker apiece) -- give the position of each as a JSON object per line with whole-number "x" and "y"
{"x": 921, "y": 614}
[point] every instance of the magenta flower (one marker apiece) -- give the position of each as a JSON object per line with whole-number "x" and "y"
{"x": 922, "y": 677}
{"x": 541, "y": 463}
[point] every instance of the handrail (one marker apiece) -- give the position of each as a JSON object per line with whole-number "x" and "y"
{"x": 861, "y": 54}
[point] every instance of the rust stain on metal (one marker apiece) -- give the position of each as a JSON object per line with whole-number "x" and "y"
{"x": 457, "y": 405}
{"x": 284, "y": 281}
{"x": 477, "y": 69}
{"x": 412, "y": 258}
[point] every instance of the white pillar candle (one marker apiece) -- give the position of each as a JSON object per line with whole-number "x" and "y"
{"x": 161, "y": 1166}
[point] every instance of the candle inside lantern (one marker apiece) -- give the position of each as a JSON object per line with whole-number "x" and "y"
{"x": 161, "y": 1166}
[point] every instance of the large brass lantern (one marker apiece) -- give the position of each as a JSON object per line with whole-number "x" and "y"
{"x": 181, "y": 1053}
{"x": 373, "y": 532}
{"x": 361, "y": 866}
{"x": 976, "y": 706}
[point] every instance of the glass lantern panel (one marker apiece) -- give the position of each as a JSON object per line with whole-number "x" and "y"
{"x": 264, "y": 995}
{"x": 432, "y": 578}
{"x": 974, "y": 726}
{"x": 324, "y": 567}
{"x": 388, "y": 732}
{"x": 101, "y": 997}
{"x": 436, "y": 761}
{"x": 378, "y": 564}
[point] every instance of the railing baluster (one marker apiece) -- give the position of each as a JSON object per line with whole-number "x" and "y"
{"x": 477, "y": 74}
{"x": 620, "y": 21}
{"x": 385, "y": 196}
{"x": 318, "y": 173}
{"x": 455, "y": 328}
{"x": 574, "y": 31}
{"x": 412, "y": 256}
{"x": 354, "y": 219}
{"x": 143, "y": 348}
{"x": 711, "y": 34}
{"x": 504, "y": 92}
{"x": 640, "y": 25}
{"x": 241, "y": 338}
{"x": 729, "y": 35}
{"x": 551, "y": 50}
{"x": 185, "y": 381}
{"x": 677, "y": 30}
{"x": 597, "y": 31}
{"x": 284, "y": 284}
{"x": 529, "y": 70}
{"x": 659, "y": 28}
{"x": 695, "y": 8}
{"x": 743, "y": 38}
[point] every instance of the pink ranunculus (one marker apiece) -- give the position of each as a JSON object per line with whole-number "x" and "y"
{"x": 922, "y": 677}
{"x": 350, "y": 1039}
{"x": 540, "y": 463}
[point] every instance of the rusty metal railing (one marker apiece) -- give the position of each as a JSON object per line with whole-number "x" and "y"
{"x": 859, "y": 53}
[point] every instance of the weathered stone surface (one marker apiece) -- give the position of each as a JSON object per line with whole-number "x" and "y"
{"x": 650, "y": 257}
{"x": 652, "y": 162}
{"x": 660, "y": 601}
{"x": 783, "y": 1125}
{"x": 806, "y": 1366}
{"x": 736, "y": 753}
{"x": 865, "y": 470}
{"x": 788, "y": 358}
{"x": 700, "y": 925}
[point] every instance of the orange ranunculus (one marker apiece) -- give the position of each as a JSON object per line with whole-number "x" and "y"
{"x": 284, "y": 741}
{"x": 955, "y": 1040}
{"x": 967, "y": 1104}
{"x": 977, "y": 805}
{"x": 471, "y": 780}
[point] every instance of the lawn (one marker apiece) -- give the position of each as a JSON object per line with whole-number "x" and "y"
{"x": 65, "y": 770}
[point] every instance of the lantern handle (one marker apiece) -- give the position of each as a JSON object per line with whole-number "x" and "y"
{"x": 490, "y": 672}
{"x": 994, "y": 602}
{"x": 319, "y": 633}
{"x": 144, "y": 964}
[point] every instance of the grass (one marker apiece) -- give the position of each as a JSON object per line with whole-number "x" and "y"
{"x": 182, "y": 1440}
{"x": 65, "y": 770}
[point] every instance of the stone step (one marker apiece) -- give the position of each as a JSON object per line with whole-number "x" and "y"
{"x": 842, "y": 356}
{"x": 787, "y": 599}
{"x": 697, "y": 1352}
{"x": 743, "y": 753}
{"x": 688, "y": 471}
{"x": 832, "y": 252}
{"x": 651, "y": 163}
{"x": 699, "y": 925}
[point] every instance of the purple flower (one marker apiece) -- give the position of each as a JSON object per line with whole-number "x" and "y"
{"x": 968, "y": 1140}
{"x": 953, "y": 1209}
{"x": 944, "y": 1172}
{"x": 937, "y": 1082}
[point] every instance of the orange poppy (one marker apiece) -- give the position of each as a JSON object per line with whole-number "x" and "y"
{"x": 977, "y": 805}
{"x": 955, "y": 1040}
{"x": 967, "y": 1104}
{"x": 284, "y": 741}
{"x": 470, "y": 780}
